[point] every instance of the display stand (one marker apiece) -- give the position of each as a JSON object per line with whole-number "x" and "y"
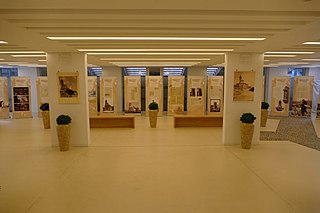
{"x": 280, "y": 98}
{"x": 4, "y": 99}
{"x": 92, "y": 95}
{"x": 175, "y": 95}
{"x": 21, "y": 100}
{"x": 302, "y": 96}
{"x": 42, "y": 92}
{"x": 154, "y": 92}
{"x": 132, "y": 94}
{"x": 108, "y": 95}
{"x": 196, "y": 95}
{"x": 215, "y": 96}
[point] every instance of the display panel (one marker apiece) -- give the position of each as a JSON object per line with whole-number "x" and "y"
{"x": 302, "y": 96}
{"x": 108, "y": 95}
{"x": 4, "y": 100}
{"x": 42, "y": 91}
{"x": 175, "y": 94}
{"x": 154, "y": 91}
{"x": 215, "y": 95}
{"x": 280, "y": 96}
{"x": 92, "y": 95}
{"x": 68, "y": 86}
{"x": 21, "y": 100}
{"x": 196, "y": 95}
{"x": 132, "y": 92}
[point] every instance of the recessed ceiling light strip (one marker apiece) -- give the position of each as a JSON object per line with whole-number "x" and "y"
{"x": 295, "y": 53}
{"x": 155, "y": 38}
{"x": 280, "y": 56}
{"x": 154, "y": 50}
{"x": 27, "y": 56}
{"x": 21, "y": 52}
{"x": 312, "y": 42}
{"x": 155, "y": 59}
{"x": 3, "y": 42}
{"x": 311, "y": 59}
{"x": 162, "y": 53}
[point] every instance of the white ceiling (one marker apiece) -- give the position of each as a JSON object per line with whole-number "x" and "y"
{"x": 285, "y": 24}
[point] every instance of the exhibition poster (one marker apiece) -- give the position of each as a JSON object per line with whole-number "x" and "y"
{"x": 215, "y": 95}
{"x": 175, "y": 94}
{"x": 108, "y": 94}
{"x": 68, "y": 87}
{"x": 4, "y": 99}
{"x": 196, "y": 95}
{"x": 92, "y": 95}
{"x": 132, "y": 89}
{"x": 154, "y": 91}
{"x": 243, "y": 87}
{"x": 302, "y": 96}
{"x": 280, "y": 98}
{"x": 21, "y": 100}
{"x": 42, "y": 91}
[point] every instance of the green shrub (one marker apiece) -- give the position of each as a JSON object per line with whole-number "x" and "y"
{"x": 247, "y": 118}
{"x": 153, "y": 106}
{"x": 264, "y": 105}
{"x": 44, "y": 107}
{"x": 63, "y": 119}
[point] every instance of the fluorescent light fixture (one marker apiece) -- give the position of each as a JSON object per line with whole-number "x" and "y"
{"x": 1, "y": 59}
{"x": 291, "y": 62}
{"x": 27, "y": 56}
{"x": 280, "y": 56}
{"x": 3, "y": 42}
{"x": 311, "y": 59}
{"x": 11, "y": 62}
{"x": 296, "y": 53}
{"x": 155, "y": 38}
{"x": 144, "y": 53}
{"x": 153, "y": 64}
{"x": 155, "y": 59}
{"x": 154, "y": 50}
{"x": 21, "y": 52}
{"x": 42, "y": 60}
{"x": 266, "y": 60}
{"x": 312, "y": 42}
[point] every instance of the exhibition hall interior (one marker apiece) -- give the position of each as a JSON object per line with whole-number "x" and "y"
{"x": 160, "y": 106}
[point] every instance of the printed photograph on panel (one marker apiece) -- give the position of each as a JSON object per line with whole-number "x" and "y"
{"x": 243, "y": 88}
{"x": 21, "y": 98}
{"x": 68, "y": 87}
{"x": 214, "y": 105}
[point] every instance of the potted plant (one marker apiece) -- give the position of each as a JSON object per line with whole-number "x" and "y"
{"x": 45, "y": 115}
{"x": 153, "y": 114}
{"x": 264, "y": 113}
{"x": 246, "y": 129}
{"x": 63, "y": 131}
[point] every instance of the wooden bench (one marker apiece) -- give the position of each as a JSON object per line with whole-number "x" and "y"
{"x": 112, "y": 121}
{"x": 197, "y": 121}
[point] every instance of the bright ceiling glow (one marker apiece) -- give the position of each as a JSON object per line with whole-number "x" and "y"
{"x": 3, "y": 42}
{"x": 154, "y": 64}
{"x": 311, "y": 59}
{"x": 297, "y": 53}
{"x": 155, "y": 59}
{"x": 155, "y": 53}
{"x": 155, "y": 38}
{"x": 1, "y": 59}
{"x": 312, "y": 42}
{"x": 27, "y": 56}
{"x": 21, "y": 52}
{"x": 42, "y": 60}
{"x": 280, "y": 56}
{"x": 154, "y": 50}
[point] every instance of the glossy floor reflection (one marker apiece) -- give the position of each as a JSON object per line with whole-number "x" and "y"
{"x": 153, "y": 170}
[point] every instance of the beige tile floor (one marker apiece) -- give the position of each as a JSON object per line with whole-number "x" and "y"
{"x": 162, "y": 170}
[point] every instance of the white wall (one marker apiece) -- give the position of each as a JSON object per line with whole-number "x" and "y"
{"x": 197, "y": 71}
{"x": 32, "y": 73}
{"x": 315, "y": 72}
{"x": 115, "y": 72}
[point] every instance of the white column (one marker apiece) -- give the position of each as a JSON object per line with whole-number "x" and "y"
{"x": 32, "y": 73}
{"x": 234, "y": 109}
{"x": 79, "y": 112}
{"x": 116, "y": 72}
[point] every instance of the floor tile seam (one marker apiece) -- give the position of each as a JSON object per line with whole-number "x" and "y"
{"x": 62, "y": 177}
{"x": 263, "y": 181}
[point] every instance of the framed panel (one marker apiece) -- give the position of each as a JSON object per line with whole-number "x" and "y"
{"x": 92, "y": 95}
{"x": 42, "y": 91}
{"x": 175, "y": 94}
{"x": 243, "y": 87}
{"x": 108, "y": 95}
{"x": 280, "y": 98}
{"x": 68, "y": 87}
{"x": 215, "y": 95}
{"x": 302, "y": 96}
{"x": 196, "y": 95}
{"x": 154, "y": 92}
{"x": 132, "y": 93}
{"x": 4, "y": 99}
{"x": 21, "y": 100}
